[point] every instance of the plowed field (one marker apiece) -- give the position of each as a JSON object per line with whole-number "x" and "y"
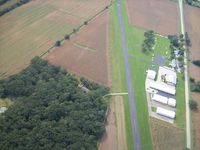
{"x": 159, "y": 15}
{"x": 86, "y": 54}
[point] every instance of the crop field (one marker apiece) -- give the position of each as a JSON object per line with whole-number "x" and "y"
{"x": 166, "y": 136}
{"x": 158, "y": 15}
{"x": 33, "y": 28}
{"x": 192, "y": 22}
{"x": 86, "y": 54}
{"x": 196, "y": 121}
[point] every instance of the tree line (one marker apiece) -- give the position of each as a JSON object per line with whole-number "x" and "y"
{"x": 13, "y": 6}
{"x": 50, "y": 111}
{"x": 195, "y": 3}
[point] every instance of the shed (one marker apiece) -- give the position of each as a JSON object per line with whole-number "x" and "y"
{"x": 151, "y": 74}
{"x": 166, "y": 113}
{"x": 172, "y": 102}
{"x": 160, "y": 98}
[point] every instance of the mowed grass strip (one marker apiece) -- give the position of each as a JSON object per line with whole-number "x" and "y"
{"x": 33, "y": 28}
{"x": 135, "y": 37}
{"x": 118, "y": 71}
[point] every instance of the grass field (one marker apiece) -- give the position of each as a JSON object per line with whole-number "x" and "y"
{"x": 33, "y": 28}
{"x": 165, "y": 136}
{"x": 8, "y": 4}
{"x": 118, "y": 71}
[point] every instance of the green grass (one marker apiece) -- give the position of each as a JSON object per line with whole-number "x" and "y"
{"x": 8, "y": 4}
{"x": 139, "y": 63}
{"x": 118, "y": 71}
{"x": 180, "y": 99}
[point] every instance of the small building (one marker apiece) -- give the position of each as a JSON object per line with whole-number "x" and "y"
{"x": 151, "y": 74}
{"x": 160, "y": 98}
{"x": 3, "y": 109}
{"x": 172, "y": 102}
{"x": 166, "y": 113}
{"x": 83, "y": 88}
{"x": 163, "y": 87}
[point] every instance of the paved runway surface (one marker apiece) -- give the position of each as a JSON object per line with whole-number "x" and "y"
{"x": 134, "y": 122}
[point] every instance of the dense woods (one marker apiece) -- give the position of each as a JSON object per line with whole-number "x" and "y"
{"x": 15, "y": 5}
{"x": 50, "y": 111}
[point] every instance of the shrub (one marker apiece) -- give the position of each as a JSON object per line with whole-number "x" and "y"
{"x": 196, "y": 62}
{"x": 193, "y": 105}
{"x": 67, "y": 37}
{"x": 58, "y": 43}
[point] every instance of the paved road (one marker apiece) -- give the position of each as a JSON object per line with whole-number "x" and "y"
{"x": 188, "y": 133}
{"x": 134, "y": 122}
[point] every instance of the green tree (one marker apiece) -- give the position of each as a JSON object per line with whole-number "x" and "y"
{"x": 193, "y": 105}
{"x": 58, "y": 43}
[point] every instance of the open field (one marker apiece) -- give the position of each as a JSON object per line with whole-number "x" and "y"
{"x": 158, "y": 15}
{"x": 115, "y": 136}
{"x": 196, "y": 122}
{"x": 121, "y": 130}
{"x": 166, "y": 136}
{"x": 192, "y": 23}
{"x": 109, "y": 139}
{"x": 33, "y": 28}
{"x": 86, "y": 54}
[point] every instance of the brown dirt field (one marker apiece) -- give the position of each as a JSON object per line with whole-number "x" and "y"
{"x": 196, "y": 121}
{"x": 159, "y": 15}
{"x": 166, "y": 136}
{"x": 192, "y": 21}
{"x": 115, "y": 136}
{"x": 121, "y": 129}
{"x": 109, "y": 139}
{"x": 86, "y": 53}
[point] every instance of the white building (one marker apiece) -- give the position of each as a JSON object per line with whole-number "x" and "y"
{"x": 151, "y": 74}
{"x": 172, "y": 102}
{"x": 163, "y": 87}
{"x": 160, "y": 99}
{"x": 167, "y": 75}
{"x": 166, "y": 113}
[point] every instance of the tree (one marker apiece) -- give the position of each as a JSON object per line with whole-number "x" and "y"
{"x": 58, "y": 43}
{"x": 85, "y": 23}
{"x": 196, "y": 62}
{"x": 193, "y": 105}
{"x": 67, "y": 37}
{"x": 187, "y": 39}
{"x": 50, "y": 110}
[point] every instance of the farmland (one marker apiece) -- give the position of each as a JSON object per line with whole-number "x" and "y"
{"x": 33, "y": 28}
{"x": 192, "y": 22}
{"x": 166, "y": 136}
{"x": 86, "y": 54}
{"x": 154, "y": 15}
